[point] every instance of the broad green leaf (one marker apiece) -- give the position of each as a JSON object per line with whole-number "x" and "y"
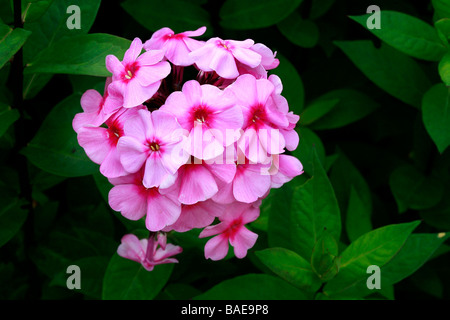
{"x": 92, "y": 270}
{"x": 34, "y": 9}
{"x": 291, "y": 267}
{"x": 11, "y": 40}
{"x": 429, "y": 281}
{"x": 351, "y": 107}
{"x": 309, "y": 142}
{"x": 436, "y": 115}
{"x": 248, "y": 14}
{"x": 412, "y": 189}
{"x": 407, "y": 34}
{"x": 50, "y": 28}
{"x": 358, "y": 220}
{"x": 443, "y": 28}
{"x": 178, "y": 15}
{"x": 303, "y": 33}
{"x": 314, "y": 209}
{"x": 391, "y": 70}
{"x": 60, "y": 154}
{"x": 12, "y": 217}
{"x": 377, "y": 247}
{"x": 7, "y": 117}
{"x": 324, "y": 260}
{"x": 180, "y": 291}
{"x": 83, "y": 54}
{"x": 444, "y": 69}
{"x": 442, "y": 8}
{"x": 417, "y": 250}
{"x": 316, "y": 110}
{"x": 129, "y": 280}
{"x": 292, "y": 84}
{"x": 253, "y": 287}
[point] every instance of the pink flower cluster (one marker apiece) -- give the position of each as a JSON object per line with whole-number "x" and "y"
{"x": 184, "y": 153}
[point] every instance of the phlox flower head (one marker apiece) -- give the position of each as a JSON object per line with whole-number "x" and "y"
{"x": 191, "y": 134}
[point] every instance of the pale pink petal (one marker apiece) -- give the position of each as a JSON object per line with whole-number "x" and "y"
{"x": 291, "y": 138}
{"x": 194, "y": 33}
{"x": 135, "y": 94}
{"x": 216, "y": 248}
{"x": 147, "y": 75}
{"x": 162, "y": 211}
{"x": 91, "y": 101}
{"x": 132, "y": 153}
{"x": 95, "y": 142}
{"x": 249, "y": 184}
{"x": 111, "y": 167}
{"x": 223, "y": 171}
{"x": 131, "y": 248}
{"x": 158, "y": 39}
{"x": 197, "y": 184}
{"x": 140, "y": 126}
{"x": 129, "y": 200}
{"x": 155, "y": 172}
{"x": 225, "y": 193}
{"x": 114, "y": 66}
{"x": 150, "y": 58}
{"x": 133, "y": 52}
{"x": 162, "y": 255}
{"x": 243, "y": 240}
{"x": 247, "y": 56}
{"x": 224, "y": 64}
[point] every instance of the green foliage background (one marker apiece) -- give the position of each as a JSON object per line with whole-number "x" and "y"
{"x": 374, "y": 136}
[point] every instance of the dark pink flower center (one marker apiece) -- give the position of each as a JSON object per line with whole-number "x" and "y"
{"x": 130, "y": 71}
{"x": 154, "y": 146}
{"x": 201, "y": 114}
{"x": 115, "y": 132}
{"x": 234, "y": 228}
{"x": 224, "y": 45}
{"x": 257, "y": 116}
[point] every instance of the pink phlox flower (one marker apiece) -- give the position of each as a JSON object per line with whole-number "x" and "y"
{"x": 221, "y": 56}
{"x": 134, "y": 201}
{"x": 231, "y": 229}
{"x": 176, "y": 46}
{"x": 96, "y": 108}
{"x": 209, "y": 114}
{"x": 148, "y": 252}
{"x": 100, "y": 144}
{"x": 153, "y": 141}
{"x": 262, "y": 118}
{"x": 138, "y": 76}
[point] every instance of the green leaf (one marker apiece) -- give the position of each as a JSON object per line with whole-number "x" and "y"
{"x": 248, "y": 14}
{"x": 351, "y": 107}
{"x": 439, "y": 215}
{"x": 128, "y": 280}
{"x": 7, "y": 117}
{"x": 316, "y": 110}
{"x": 291, "y": 267}
{"x": 178, "y": 15}
{"x": 324, "y": 260}
{"x": 443, "y": 28}
{"x": 12, "y": 217}
{"x": 309, "y": 142}
{"x": 314, "y": 209}
{"x": 377, "y": 247}
{"x": 32, "y": 10}
{"x": 358, "y": 220}
{"x": 407, "y": 34}
{"x": 50, "y": 28}
{"x": 253, "y": 287}
{"x": 83, "y": 54}
{"x": 292, "y": 84}
{"x": 417, "y": 250}
{"x": 60, "y": 154}
{"x": 444, "y": 69}
{"x": 442, "y": 8}
{"x": 414, "y": 190}
{"x": 436, "y": 115}
{"x": 303, "y": 33}
{"x": 389, "y": 69}
{"x": 11, "y": 40}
